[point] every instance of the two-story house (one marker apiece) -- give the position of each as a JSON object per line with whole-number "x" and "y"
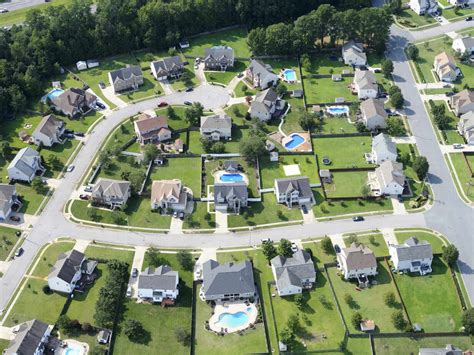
{"x": 266, "y": 105}
{"x": 167, "y": 68}
{"x": 388, "y": 179}
{"x": 8, "y": 199}
{"x": 151, "y": 129}
{"x": 353, "y": 53}
{"x": 413, "y": 255}
{"x": 260, "y": 75}
{"x": 383, "y": 148}
{"x": 357, "y": 262}
{"x": 66, "y": 272}
{"x": 128, "y": 78}
{"x": 158, "y": 284}
{"x": 218, "y": 58}
{"x": 30, "y": 339}
{"x": 111, "y": 193}
{"x": 74, "y": 102}
{"x": 49, "y": 131}
{"x": 230, "y": 197}
{"x": 294, "y": 191}
{"x": 294, "y": 274}
{"x": 374, "y": 115}
{"x": 25, "y": 166}
{"x": 365, "y": 84}
{"x": 216, "y": 127}
{"x": 168, "y": 195}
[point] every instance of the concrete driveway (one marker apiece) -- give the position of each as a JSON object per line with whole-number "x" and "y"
{"x": 137, "y": 263}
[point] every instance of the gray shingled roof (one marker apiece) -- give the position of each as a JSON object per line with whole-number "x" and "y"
{"x": 413, "y": 249}
{"x": 354, "y": 47}
{"x": 126, "y": 73}
{"x": 49, "y": 125}
{"x": 218, "y": 52}
{"x": 228, "y": 278}
{"x": 300, "y": 183}
{"x": 168, "y": 64}
{"x": 448, "y": 350}
{"x": 216, "y": 122}
{"x": 25, "y": 161}
{"x": 226, "y": 191}
{"x": 358, "y": 257}
{"x": 6, "y": 194}
{"x": 382, "y": 143}
{"x": 73, "y": 98}
{"x": 290, "y": 271}
{"x": 259, "y": 68}
{"x": 372, "y": 107}
{"x": 365, "y": 79}
{"x": 28, "y": 338}
{"x": 161, "y": 278}
{"x": 109, "y": 187}
{"x": 67, "y": 265}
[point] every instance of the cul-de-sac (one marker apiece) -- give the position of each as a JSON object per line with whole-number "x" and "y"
{"x": 236, "y": 177}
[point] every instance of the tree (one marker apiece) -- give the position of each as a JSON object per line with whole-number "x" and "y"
{"x": 300, "y": 301}
{"x": 136, "y": 180}
{"x": 293, "y": 323}
{"x": 182, "y": 336}
{"x": 284, "y": 248}
{"x": 356, "y": 319}
{"x": 193, "y": 114}
{"x": 305, "y": 61}
{"x": 150, "y": 152}
{"x": 54, "y": 162}
{"x": 4, "y": 149}
{"x": 450, "y": 254}
{"x": 185, "y": 259}
{"x": 154, "y": 256}
{"x": 287, "y": 337}
{"x": 395, "y": 126}
{"x": 326, "y": 244}
{"x": 468, "y": 321}
{"x": 92, "y": 214}
{"x": 392, "y": 90}
{"x": 348, "y": 299}
{"x": 387, "y": 68}
{"x": 39, "y": 186}
{"x": 398, "y": 320}
{"x": 389, "y": 299}
{"x": 64, "y": 324}
{"x": 281, "y": 89}
{"x": 361, "y": 127}
{"x": 412, "y": 52}
{"x": 187, "y": 77}
{"x": 397, "y": 100}
{"x": 252, "y": 148}
{"x": 171, "y": 113}
{"x": 133, "y": 329}
{"x": 365, "y": 190}
{"x": 421, "y": 166}
{"x": 307, "y": 121}
{"x": 269, "y": 250}
{"x": 352, "y": 239}
{"x": 118, "y": 217}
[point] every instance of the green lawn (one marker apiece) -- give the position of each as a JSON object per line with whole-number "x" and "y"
{"x": 291, "y": 123}
{"x": 344, "y": 152}
{"x": 101, "y": 252}
{"x": 335, "y": 125}
{"x": 4, "y": 344}
{"x": 435, "y": 241}
{"x": 224, "y": 77}
{"x": 120, "y": 136}
{"x": 431, "y": 300}
{"x": 188, "y": 170}
{"x": 280, "y": 64}
{"x": 463, "y": 173}
{"x": 375, "y": 242}
{"x": 62, "y": 151}
{"x": 325, "y": 90}
{"x": 19, "y": 16}
{"x": 404, "y": 345}
{"x": 50, "y": 256}
{"x": 346, "y": 184}
{"x": 457, "y": 12}
{"x": 237, "y": 113}
{"x": 29, "y": 197}
{"x": 176, "y": 121}
{"x": 275, "y": 170}
{"x": 181, "y": 84}
{"x": 232, "y": 146}
{"x": 410, "y": 18}
{"x": 119, "y": 165}
{"x": 244, "y": 90}
{"x": 320, "y": 257}
{"x": 369, "y": 302}
{"x": 8, "y": 239}
{"x": 235, "y": 38}
{"x": 198, "y": 220}
{"x": 322, "y": 64}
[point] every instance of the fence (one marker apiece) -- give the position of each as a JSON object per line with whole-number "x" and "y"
{"x": 469, "y": 167}
{"x": 341, "y": 135}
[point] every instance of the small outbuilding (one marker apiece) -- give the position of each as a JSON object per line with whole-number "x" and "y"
{"x": 81, "y": 65}
{"x": 367, "y": 325}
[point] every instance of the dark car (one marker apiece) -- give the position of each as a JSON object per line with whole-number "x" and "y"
{"x": 358, "y": 218}
{"x": 100, "y": 105}
{"x": 79, "y": 134}
{"x": 162, "y": 104}
{"x": 181, "y": 215}
{"x": 469, "y": 18}
{"x": 448, "y": 94}
{"x": 84, "y": 197}
{"x": 188, "y": 103}
{"x": 15, "y": 218}
{"x": 304, "y": 209}
{"x": 68, "y": 131}
{"x": 134, "y": 272}
{"x": 400, "y": 198}
{"x": 337, "y": 249}
{"x": 101, "y": 84}
{"x": 240, "y": 75}
{"x": 189, "y": 89}
{"x": 19, "y": 251}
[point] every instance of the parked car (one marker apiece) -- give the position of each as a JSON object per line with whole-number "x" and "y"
{"x": 469, "y": 18}
{"x": 181, "y": 215}
{"x": 240, "y": 75}
{"x": 457, "y": 146}
{"x": 79, "y": 134}
{"x": 337, "y": 248}
{"x": 15, "y": 218}
{"x": 188, "y": 103}
{"x": 70, "y": 168}
{"x": 189, "y": 89}
{"x": 134, "y": 272}
{"x": 19, "y": 251}
{"x": 88, "y": 188}
{"x": 101, "y": 84}
{"x": 100, "y": 105}
{"x": 69, "y": 135}
{"x": 175, "y": 214}
{"x": 162, "y": 104}
{"x": 358, "y": 218}
{"x": 68, "y": 131}
{"x": 129, "y": 291}
{"x": 294, "y": 247}
{"x": 3, "y": 11}
{"x": 448, "y": 94}
{"x": 84, "y": 197}
{"x": 304, "y": 209}
{"x": 400, "y": 198}
{"x": 18, "y": 233}
{"x": 266, "y": 240}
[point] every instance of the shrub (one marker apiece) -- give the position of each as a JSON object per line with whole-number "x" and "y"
{"x": 398, "y": 320}
{"x": 356, "y": 319}
{"x": 133, "y": 329}
{"x": 389, "y": 299}
{"x": 468, "y": 321}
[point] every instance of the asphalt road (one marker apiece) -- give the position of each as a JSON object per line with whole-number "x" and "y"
{"x": 449, "y": 215}
{"x": 13, "y": 5}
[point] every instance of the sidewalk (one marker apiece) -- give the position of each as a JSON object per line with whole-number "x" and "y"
{"x": 81, "y": 245}
{"x": 398, "y": 207}
{"x": 389, "y": 236}
{"x": 404, "y": 140}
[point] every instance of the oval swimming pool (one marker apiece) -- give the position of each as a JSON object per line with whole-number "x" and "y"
{"x": 295, "y": 141}
{"x": 338, "y": 110}
{"x": 231, "y": 178}
{"x": 233, "y": 320}
{"x": 289, "y": 75}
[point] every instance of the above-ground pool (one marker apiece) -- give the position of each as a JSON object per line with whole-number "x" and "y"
{"x": 233, "y": 320}
{"x": 231, "y": 178}
{"x": 295, "y": 141}
{"x": 338, "y": 110}
{"x": 52, "y": 94}
{"x": 289, "y": 75}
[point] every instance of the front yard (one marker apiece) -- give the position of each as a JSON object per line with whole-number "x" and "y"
{"x": 224, "y": 77}
{"x": 375, "y": 242}
{"x": 343, "y": 152}
{"x": 198, "y": 219}
{"x": 8, "y": 239}
{"x": 462, "y": 171}
{"x": 49, "y": 257}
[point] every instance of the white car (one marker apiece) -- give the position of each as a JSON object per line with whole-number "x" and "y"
{"x": 129, "y": 291}
{"x": 457, "y": 146}
{"x": 294, "y": 247}
{"x": 3, "y": 11}
{"x": 70, "y": 168}
{"x": 88, "y": 188}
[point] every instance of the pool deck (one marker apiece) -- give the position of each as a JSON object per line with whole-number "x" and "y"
{"x": 303, "y": 147}
{"x": 83, "y": 348}
{"x": 219, "y": 173}
{"x": 232, "y": 307}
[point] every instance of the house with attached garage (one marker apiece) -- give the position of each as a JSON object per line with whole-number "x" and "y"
{"x": 168, "y": 194}
{"x": 464, "y": 45}
{"x": 260, "y": 75}
{"x": 462, "y": 102}
{"x": 158, "y": 284}
{"x": 49, "y": 131}
{"x": 294, "y": 274}
{"x": 111, "y": 193}
{"x": 167, "y": 68}
{"x": 25, "y": 166}
{"x": 74, "y": 102}
{"x": 466, "y": 127}
{"x": 388, "y": 179}
{"x": 445, "y": 67}
{"x": 353, "y": 53}
{"x": 294, "y": 191}
{"x": 31, "y": 338}
{"x": 151, "y": 129}
{"x": 266, "y": 105}
{"x": 413, "y": 255}
{"x": 357, "y": 262}
{"x": 422, "y": 7}
{"x": 365, "y": 85}
{"x": 128, "y": 78}
{"x": 230, "y": 197}
{"x": 374, "y": 115}
{"x": 216, "y": 127}
{"x": 218, "y": 58}
{"x": 383, "y": 148}
{"x": 8, "y": 199}
{"x": 229, "y": 281}
{"x": 66, "y": 272}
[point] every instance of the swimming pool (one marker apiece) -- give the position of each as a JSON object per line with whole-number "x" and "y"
{"x": 72, "y": 351}
{"x": 338, "y": 110}
{"x": 52, "y": 94}
{"x": 233, "y": 320}
{"x": 231, "y": 178}
{"x": 295, "y": 141}
{"x": 289, "y": 75}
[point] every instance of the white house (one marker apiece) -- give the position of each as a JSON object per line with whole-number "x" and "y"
{"x": 365, "y": 84}
{"x": 49, "y": 131}
{"x": 8, "y": 198}
{"x": 66, "y": 272}
{"x": 464, "y": 44}
{"x": 260, "y": 74}
{"x": 266, "y": 105}
{"x": 168, "y": 194}
{"x": 25, "y": 166}
{"x": 294, "y": 190}
{"x": 81, "y": 65}
{"x": 445, "y": 67}
{"x": 413, "y": 255}
{"x": 30, "y": 339}
{"x": 422, "y": 7}
{"x": 374, "y": 115}
{"x": 383, "y": 148}
{"x": 111, "y": 193}
{"x": 357, "y": 262}
{"x": 294, "y": 274}
{"x": 216, "y": 127}
{"x": 388, "y": 179}
{"x": 353, "y": 54}
{"x": 466, "y": 127}
{"x": 159, "y": 284}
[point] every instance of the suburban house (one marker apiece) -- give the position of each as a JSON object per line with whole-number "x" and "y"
{"x": 422, "y": 7}
{"x": 413, "y": 255}
{"x": 230, "y": 197}
{"x": 111, "y": 193}
{"x": 218, "y": 58}
{"x": 49, "y": 131}
{"x": 74, "y": 102}
{"x": 232, "y": 166}
{"x": 374, "y": 115}
{"x": 445, "y": 67}
{"x": 168, "y": 194}
{"x": 171, "y": 67}
{"x": 128, "y": 78}
{"x": 66, "y": 271}
{"x": 216, "y": 127}
{"x": 448, "y": 350}
{"x": 462, "y": 102}
{"x": 365, "y": 84}
{"x": 158, "y": 284}
{"x": 388, "y": 179}
{"x": 294, "y": 190}
{"x": 30, "y": 339}
{"x": 464, "y": 45}
{"x": 151, "y": 129}
{"x": 261, "y": 75}
{"x": 25, "y": 166}
{"x": 357, "y": 262}
{"x": 229, "y": 281}
{"x": 460, "y": 3}
{"x": 466, "y": 127}
{"x": 266, "y": 105}
{"x": 294, "y": 274}
{"x": 383, "y": 148}
{"x": 353, "y": 53}
{"x": 8, "y": 198}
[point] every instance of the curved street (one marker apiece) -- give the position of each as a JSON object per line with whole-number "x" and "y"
{"x": 449, "y": 215}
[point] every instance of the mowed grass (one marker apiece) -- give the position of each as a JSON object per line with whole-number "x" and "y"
{"x": 224, "y": 77}
{"x": 335, "y": 125}
{"x": 188, "y": 170}
{"x": 237, "y": 113}
{"x": 344, "y": 152}
{"x": 431, "y": 300}
{"x": 49, "y": 257}
{"x": 8, "y": 239}
{"x": 346, "y": 184}
{"x": 463, "y": 173}
{"x": 109, "y": 253}
{"x": 326, "y": 63}
{"x": 197, "y": 220}
{"x": 374, "y": 242}
{"x": 405, "y": 345}
{"x": 436, "y": 242}
{"x": 231, "y": 146}
{"x": 325, "y": 90}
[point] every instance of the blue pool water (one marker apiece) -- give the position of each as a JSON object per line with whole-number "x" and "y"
{"x": 233, "y": 320}
{"x": 296, "y": 140}
{"x": 231, "y": 178}
{"x": 72, "y": 351}
{"x": 52, "y": 94}
{"x": 289, "y": 75}
{"x": 338, "y": 110}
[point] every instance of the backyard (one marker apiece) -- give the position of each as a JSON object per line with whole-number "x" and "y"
{"x": 405, "y": 345}
{"x": 325, "y": 90}
{"x": 188, "y": 170}
{"x": 343, "y": 152}
{"x": 346, "y": 184}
